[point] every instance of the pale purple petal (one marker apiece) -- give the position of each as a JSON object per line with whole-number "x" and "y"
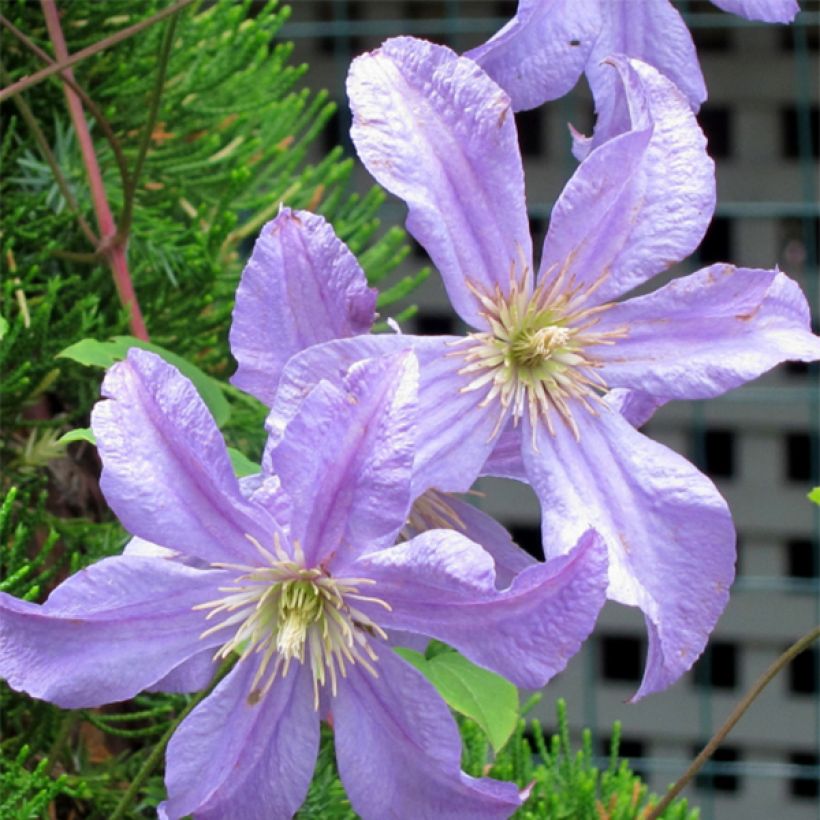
{"x": 670, "y": 535}
{"x": 454, "y": 434}
{"x": 706, "y": 333}
{"x": 648, "y": 30}
{"x": 232, "y": 759}
{"x": 108, "y": 632}
{"x": 505, "y": 460}
{"x": 166, "y": 472}
{"x": 636, "y": 407}
{"x": 192, "y": 675}
{"x": 441, "y": 584}
{"x": 301, "y": 286}
{"x": 399, "y": 751}
{"x": 640, "y": 202}
{"x": 437, "y": 132}
{"x": 769, "y": 11}
{"x": 435, "y": 510}
{"x": 540, "y": 54}
{"x": 346, "y": 459}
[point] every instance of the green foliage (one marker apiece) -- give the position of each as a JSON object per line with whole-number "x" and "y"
{"x": 566, "y": 784}
{"x": 487, "y": 698}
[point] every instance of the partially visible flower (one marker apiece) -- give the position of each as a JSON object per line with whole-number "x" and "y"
{"x": 540, "y": 54}
{"x": 302, "y": 286}
{"x": 538, "y": 383}
{"x": 299, "y": 582}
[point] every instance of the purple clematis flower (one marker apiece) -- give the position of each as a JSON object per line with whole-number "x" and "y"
{"x": 295, "y": 576}
{"x": 540, "y": 54}
{"x": 534, "y": 390}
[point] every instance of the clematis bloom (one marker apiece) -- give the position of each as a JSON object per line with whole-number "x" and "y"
{"x": 293, "y": 575}
{"x": 535, "y": 389}
{"x": 540, "y": 54}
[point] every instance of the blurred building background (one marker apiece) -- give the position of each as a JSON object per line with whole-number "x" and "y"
{"x": 761, "y": 444}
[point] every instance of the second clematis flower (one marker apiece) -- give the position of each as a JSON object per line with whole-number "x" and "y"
{"x": 540, "y": 54}
{"x": 295, "y": 579}
{"x": 553, "y": 369}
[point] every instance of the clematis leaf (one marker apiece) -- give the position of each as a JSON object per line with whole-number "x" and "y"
{"x": 487, "y": 698}
{"x": 814, "y": 495}
{"x": 94, "y": 353}
{"x": 78, "y": 434}
{"x": 242, "y": 465}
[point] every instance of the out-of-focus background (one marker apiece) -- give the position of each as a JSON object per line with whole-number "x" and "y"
{"x": 760, "y": 444}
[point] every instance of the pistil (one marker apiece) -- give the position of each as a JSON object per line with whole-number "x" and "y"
{"x": 287, "y": 612}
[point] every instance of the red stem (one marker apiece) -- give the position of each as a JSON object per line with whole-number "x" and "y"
{"x": 114, "y": 250}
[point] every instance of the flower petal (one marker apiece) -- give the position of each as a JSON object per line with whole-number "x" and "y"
{"x": 437, "y": 132}
{"x": 442, "y": 584}
{"x": 192, "y": 675}
{"x": 435, "y": 510}
{"x": 670, "y": 535}
{"x": 232, "y": 759}
{"x": 638, "y": 203}
{"x": 505, "y": 460}
{"x": 166, "y": 472}
{"x": 346, "y": 459}
{"x": 654, "y": 32}
{"x": 454, "y": 435}
{"x": 769, "y": 11}
{"x": 540, "y": 54}
{"x": 301, "y": 286}
{"x": 399, "y": 751}
{"x": 108, "y": 632}
{"x": 708, "y": 332}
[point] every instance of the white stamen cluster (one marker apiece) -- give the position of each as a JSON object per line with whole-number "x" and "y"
{"x": 535, "y": 358}
{"x": 287, "y": 612}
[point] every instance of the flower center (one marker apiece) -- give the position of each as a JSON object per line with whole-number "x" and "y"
{"x": 535, "y": 358}
{"x": 287, "y": 612}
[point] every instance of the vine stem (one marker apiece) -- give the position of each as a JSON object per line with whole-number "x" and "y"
{"x": 158, "y": 750}
{"x": 95, "y": 48}
{"x": 737, "y": 713}
{"x": 115, "y": 251}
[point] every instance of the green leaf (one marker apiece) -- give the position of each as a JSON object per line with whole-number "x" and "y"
{"x": 94, "y": 353}
{"x": 242, "y": 465}
{"x": 814, "y": 495}
{"x": 79, "y": 434}
{"x": 487, "y": 698}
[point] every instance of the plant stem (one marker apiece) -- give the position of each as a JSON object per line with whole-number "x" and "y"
{"x": 129, "y": 193}
{"x": 107, "y": 42}
{"x": 114, "y": 251}
{"x": 157, "y": 752}
{"x": 92, "y": 107}
{"x": 48, "y": 155}
{"x": 709, "y": 749}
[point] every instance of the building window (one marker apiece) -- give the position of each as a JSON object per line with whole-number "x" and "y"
{"x": 528, "y": 538}
{"x": 709, "y": 38}
{"x": 803, "y": 673}
{"x": 531, "y": 128}
{"x": 711, "y": 777}
{"x": 717, "y": 667}
{"x": 801, "y": 558}
{"x": 805, "y": 785}
{"x": 621, "y": 658}
{"x": 717, "y": 243}
{"x": 799, "y": 132}
{"x": 716, "y": 122}
{"x": 799, "y": 457}
{"x": 714, "y": 452}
